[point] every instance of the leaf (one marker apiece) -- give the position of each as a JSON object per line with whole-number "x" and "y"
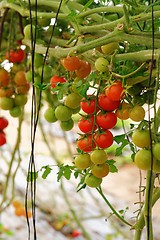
{"x": 81, "y": 184}
{"x": 32, "y": 176}
{"x": 119, "y": 149}
{"x": 65, "y": 171}
{"x": 87, "y": 5}
{"x": 119, "y": 138}
{"x": 41, "y": 86}
{"x": 46, "y": 172}
{"x": 112, "y": 167}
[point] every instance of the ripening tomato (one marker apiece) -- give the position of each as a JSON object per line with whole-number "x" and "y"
{"x": 106, "y": 104}
{"x": 4, "y": 78}
{"x": 56, "y": 79}
{"x": 16, "y": 56}
{"x": 115, "y": 92}
{"x": 104, "y": 139}
{"x": 86, "y": 124}
{"x": 137, "y": 113}
{"x": 6, "y": 91}
{"x": 100, "y": 170}
{"x": 3, "y": 123}
{"x": 123, "y": 111}
{"x": 88, "y": 105}
{"x": 2, "y": 138}
{"x": 98, "y": 156}
{"x": 86, "y": 143}
{"x": 106, "y": 120}
{"x": 20, "y": 78}
{"x": 71, "y": 63}
{"x": 84, "y": 69}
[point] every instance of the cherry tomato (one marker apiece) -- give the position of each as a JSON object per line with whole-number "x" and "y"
{"x": 83, "y": 161}
{"x": 106, "y": 120}
{"x": 2, "y": 138}
{"x": 56, "y": 79}
{"x": 100, "y": 170}
{"x": 156, "y": 150}
{"x": 16, "y": 56}
{"x": 98, "y": 156}
{"x": 115, "y": 92}
{"x": 3, "y": 123}
{"x": 84, "y": 69}
{"x": 86, "y": 124}
{"x": 71, "y": 63}
{"x": 106, "y": 104}
{"x": 92, "y": 181}
{"x": 137, "y": 113}
{"x": 101, "y": 65}
{"x": 142, "y": 159}
{"x": 86, "y": 143}
{"x": 141, "y": 138}
{"x": 104, "y": 139}
{"x": 88, "y": 106}
{"x": 4, "y": 78}
{"x": 123, "y": 111}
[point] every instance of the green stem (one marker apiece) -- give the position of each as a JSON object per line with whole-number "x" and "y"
{"x": 112, "y": 208}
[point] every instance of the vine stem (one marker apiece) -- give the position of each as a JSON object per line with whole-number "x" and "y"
{"x": 112, "y": 208}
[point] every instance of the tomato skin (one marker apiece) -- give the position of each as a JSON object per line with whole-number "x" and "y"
{"x": 92, "y": 181}
{"x": 106, "y": 120}
{"x": 86, "y": 124}
{"x": 156, "y": 150}
{"x": 104, "y": 139}
{"x": 88, "y": 106}
{"x": 115, "y": 92}
{"x": 137, "y": 113}
{"x": 2, "y": 138}
{"x": 100, "y": 170}
{"x": 71, "y": 63}
{"x": 84, "y": 69}
{"x": 141, "y": 138}
{"x": 86, "y": 144}
{"x": 143, "y": 159}
{"x": 56, "y": 79}
{"x": 106, "y": 104}
{"x": 98, "y": 156}
{"x": 16, "y": 56}
{"x": 3, "y": 123}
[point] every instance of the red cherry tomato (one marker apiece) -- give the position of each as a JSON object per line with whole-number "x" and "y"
{"x": 88, "y": 106}
{"x": 2, "y": 138}
{"x": 84, "y": 69}
{"x": 56, "y": 79}
{"x": 16, "y": 56}
{"x": 3, "y": 123}
{"x": 106, "y": 104}
{"x": 104, "y": 139}
{"x": 71, "y": 63}
{"x": 86, "y": 124}
{"x": 115, "y": 92}
{"x": 86, "y": 143}
{"x": 106, "y": 120}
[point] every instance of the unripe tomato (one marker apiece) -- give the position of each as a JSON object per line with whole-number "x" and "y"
{"x": 156, "y": 166}
{"x": 106, "y": 104}
{"x": 104, "y": 139}
{"x": 49, "y": 115}
{"x": 92, "y": 181}
{"x": 15, "y": 111}
{"x": 156, "y": 150}
{"x": 72, "y": 100}
{"x": 20, "y": 78}
{"x": 6, "y": 103}
{"x": 137, "y": 113}
{"x": 101, "y": 65}
{"x": 4, "y": 78}
{"x": 115, "y": 92}
{"x": 82, "y": 161}
{"x": 100, "y": 170}
{"x": 98, "y": 156}
{"x": 109, "y": 48}
{"x": 63, "y": 113}
{"x": 142, "y": 159}
{"x": 67, "y": 125}
{"x": 106, "y": 120}
{"x": 86, "y": 144}
{"x": 20, "y": 99}
{"x": 141, "y": 138}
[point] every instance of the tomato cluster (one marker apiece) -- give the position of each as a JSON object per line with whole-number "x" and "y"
{"x": 3, "y": 125}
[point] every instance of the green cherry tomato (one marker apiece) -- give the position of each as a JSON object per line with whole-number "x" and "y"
{"x": 73, "y": 100}
{"x": 156, "y": 150}
{"x": 63, "y": 113}
{"x": 142, "y": 159}
{"x": 67, "y": 125}
{"x": 92, "y": 181}
{"x": 6, "y": 103}
{"x": 109, "y": 48}
{"x": 156, "y": 166}
{"x": 16, "y": 111}
{"x": 82, "y": 161}
{"x": 98, "y": 156}
{"x": 101, "y": 65}
{"x": 20, "y": 99}
{"x": 49, "y": 115}
{"x": 141, "y": 138}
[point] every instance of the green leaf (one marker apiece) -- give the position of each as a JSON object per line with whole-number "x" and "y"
{"x": 119, "y": 138}
{"x": 32, "y": 176}
{"x": 41, "y": 86}
{"x": 112, "y": 167}
{"x": 65, "y": 171}
{"x": 119, "y": 149}
{"x": 46, "y": 172}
